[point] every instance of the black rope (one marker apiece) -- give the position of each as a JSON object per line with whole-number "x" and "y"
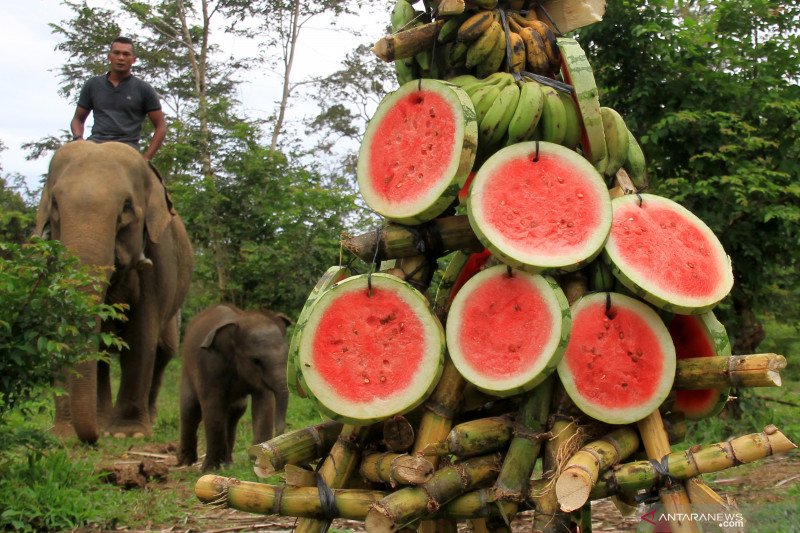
{"x": 327, "y": 502}
{"x": 374, "y": 260}
{"x": 509, "y": 55}
{"x": 536, "y": 155}
{"x": 276, "y": 505}
{"x": 639, "y": 196}
{"x": 549, "y": 18}
{"x": 509, "y": 271}
{"x": 550, "y": 82}
{"x": 608, "y": 306}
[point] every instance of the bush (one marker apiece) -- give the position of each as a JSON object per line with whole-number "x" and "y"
{"x": 48, "y": 318}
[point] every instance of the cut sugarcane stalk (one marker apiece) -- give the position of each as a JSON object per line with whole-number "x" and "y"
{"x": 704, "y": 497}
{"x": 297, "y": 476}
{"x": 475, "y": 437}
{"x": 524, "y": 449}
{"x": 754, "y": 370}
{"x": 410, "y": 504}
{"x": 280, "y": 500}
{"x": 296, "y": 447}
{"x": 674, "y": 499}
{"x": 583, "y": 469}
{"x": 408, "y": 43}
{"x": 398, "y": 434}
{"x": 632, "y": 477}
{"x": 396, "y": 469}
{"x": 338, "y": 468}
{"x": 396, "y": 241}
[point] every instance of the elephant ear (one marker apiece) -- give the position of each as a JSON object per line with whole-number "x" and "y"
{"x": 43, "y": 212}
{"x": 281, "y": 319}
{"x": 157, "y": 215}
{"x": 216, "y": 328}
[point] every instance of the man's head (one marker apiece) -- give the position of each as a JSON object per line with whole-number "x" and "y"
{"x": 121, "y": 56}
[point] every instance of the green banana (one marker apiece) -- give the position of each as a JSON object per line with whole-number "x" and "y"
{"x": 483, "y": 99}
{"x": 463, "y": 80}
{"x": 458, "y": 53}
{"x": 527, "y": 114}
{"x": 402, "y": 14}
{"x": 617, "y": 141}
{"x": 483, "y": 45}
{"x": 554, "y": 116}
{"x": 475, "y": 26}
{"x": 494, "y": 124}
{"x": 405, "y": 69}
{"x": 494, "y": 60}
{"x": 635, "y": 163}
{"x": 497, "y": 78}
{"x": 572, "y": 132}
{"x": 449, "y": 31}
{"x": 424, "y": 59}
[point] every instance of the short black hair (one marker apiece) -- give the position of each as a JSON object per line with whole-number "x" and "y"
{"x": 123, "y": 40}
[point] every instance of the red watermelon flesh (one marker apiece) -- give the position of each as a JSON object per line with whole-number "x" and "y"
{"x": 508, "y": 305}
{"x": 543, "y": 205}
{"x": 692, "y": 339}
{"x": 368, "y": 347}
{"x": 414, "y": 140}
{"x": 655, "y": 238}
{"x": 611, "y": 359}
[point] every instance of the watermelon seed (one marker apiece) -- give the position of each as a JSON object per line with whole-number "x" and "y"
{"x": 386, "y": 362}
{"x": 366, "y": 380}
{"x": 560, "y": 179}
{"x": 621, "y": 335}
{"x": 690, "y": 264}
{"x": 580, "y": 195}
{"x": 624, "y": 385}
{"x": 383, "y": 378}
{"x": 432, "y": 113}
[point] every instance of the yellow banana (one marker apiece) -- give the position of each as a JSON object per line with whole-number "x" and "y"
{"x": 475, "y": 26}
{"x": 494, "y": 60}
{"x": 402, "y": 14}
{"x": 494, "y": 124}
{"x": 483, "y": 45}
{"x": 554, "y": 117}
{"x": 517, "y": 52}
{"x": 635, "y": 163}
{"x": 545, "y": 33}
{"x": 483, "y": 4}
{"x": 572, "y": 132}
{"x": 617, "y": 140}
{"x": 534, "y": 51}
{"x": 527, "y": 114}
{"x": 449, "y": 30}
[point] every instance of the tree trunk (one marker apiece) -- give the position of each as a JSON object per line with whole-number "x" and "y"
{"x": 288, "y": 61}
{"x": 751, "y": 331}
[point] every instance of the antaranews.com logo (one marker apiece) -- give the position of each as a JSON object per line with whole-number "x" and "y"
{"x": 722, "y": 520}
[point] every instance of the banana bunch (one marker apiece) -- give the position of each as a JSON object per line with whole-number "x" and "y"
{"x": 622, "y": 149}
{"x": 477, "y": 42}
{"x": 508, "y": 112}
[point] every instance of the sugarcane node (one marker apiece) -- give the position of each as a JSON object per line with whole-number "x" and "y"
{"x": 771, "y": 429}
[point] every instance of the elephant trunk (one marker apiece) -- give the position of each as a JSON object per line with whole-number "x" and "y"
{"x": 92, "y": 247}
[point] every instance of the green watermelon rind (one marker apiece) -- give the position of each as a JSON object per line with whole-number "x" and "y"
{"x": 627, "y": 415}
{"x": 439, "y": 198}
{"x": 559, "y": 307}
{"x": 425, "y": 378}
{"x": 578, "y": 72}
{"x": 722, "y": 346}
{"x": 636, "y": 282}
{"x": 529, "y": 262}
{"x": 293, "y": 375}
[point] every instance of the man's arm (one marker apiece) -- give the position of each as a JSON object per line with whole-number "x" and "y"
{"x": 78, "y": 122}
{"x": 160, "y": 124}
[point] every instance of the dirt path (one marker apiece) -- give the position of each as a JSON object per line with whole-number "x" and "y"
{"x": 774, "y": 480}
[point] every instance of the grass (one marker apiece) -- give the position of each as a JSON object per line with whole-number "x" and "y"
{"x": 60, "y": 488}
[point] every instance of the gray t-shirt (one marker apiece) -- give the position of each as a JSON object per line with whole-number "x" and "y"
{"x": 118, "y": 111}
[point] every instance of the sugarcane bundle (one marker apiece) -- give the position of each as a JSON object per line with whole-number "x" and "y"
{"x": 572, "y": 326}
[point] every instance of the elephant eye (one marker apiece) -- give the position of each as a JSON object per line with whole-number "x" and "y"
{"x": 256, "y": 361}
{"x": 128, "y": 205}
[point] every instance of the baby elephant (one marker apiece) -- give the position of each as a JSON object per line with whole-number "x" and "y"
{"x": 229, "y": 354}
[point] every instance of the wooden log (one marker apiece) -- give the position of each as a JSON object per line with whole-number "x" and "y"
{"x": 408, "y": 43}
{"x": 395, "y": 241}
{"x": 755, "y": 370}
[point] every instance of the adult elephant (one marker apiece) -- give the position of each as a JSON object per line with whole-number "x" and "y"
{"x": 98, "y": 200}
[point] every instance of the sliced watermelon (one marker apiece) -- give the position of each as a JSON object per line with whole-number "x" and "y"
{"x": 666, "y": 255}
{"x": 333, "y": 275}
{"x": 506, "y": 333}
{"x": 552, "y": 213}
{"x": 578, "y": 72}
{"x": 619, "y": 365}
{"x": 699, "y": 336}
{"x": 417, "y": 151}
{"x": 368, "y": 355}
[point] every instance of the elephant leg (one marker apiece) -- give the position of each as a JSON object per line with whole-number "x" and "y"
{"x": 215, "y": 422}
{"x": 62, "y": 425}
{"x": 190, "y": 421}
{"x": 104, "y": 405}
{"x": 235, "y": 412}
{"x": 166, "y": 350}
{"x": 263, "y": 413}
{"x": 132, "y": 411}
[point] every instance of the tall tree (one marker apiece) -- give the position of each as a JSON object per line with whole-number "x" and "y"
{"x": 711, "y": 89}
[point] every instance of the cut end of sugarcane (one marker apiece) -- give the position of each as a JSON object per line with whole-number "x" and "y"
{"x": 414, "y": 470}
{"x": 263, "y": 472}
{"x": 212, "y": 489}
{"x": 572, "y": 489}
{"x": 775, "y": 377}
{"x": 378, "y": 522}
{"x": 383, "y": 50}
{"x": 779, "y": 442}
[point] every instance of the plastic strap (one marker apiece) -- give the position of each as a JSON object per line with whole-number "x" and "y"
{"x": 327, "y": 501}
